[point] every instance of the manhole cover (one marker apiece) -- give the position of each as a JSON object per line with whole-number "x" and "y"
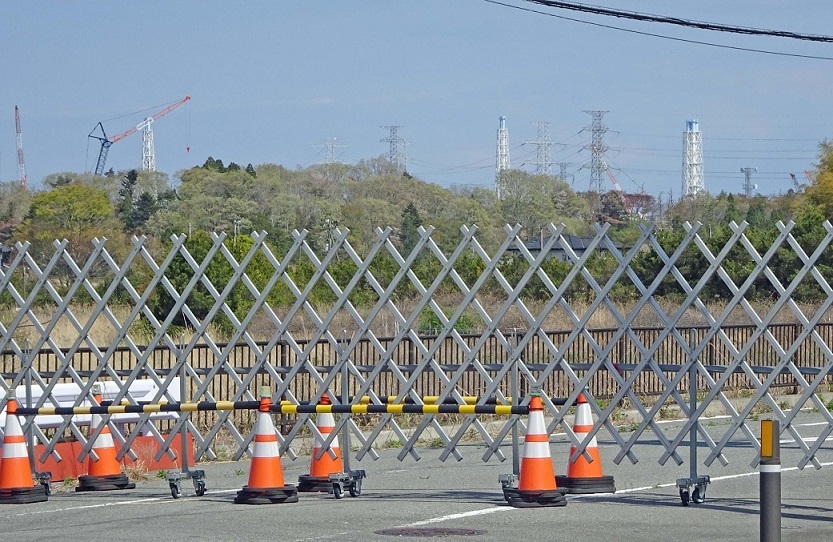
{"x": 429, "y": 532}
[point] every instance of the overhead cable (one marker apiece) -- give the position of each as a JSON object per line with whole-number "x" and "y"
{"x": 661, "y": 36}
{"x": 647, "y": 17}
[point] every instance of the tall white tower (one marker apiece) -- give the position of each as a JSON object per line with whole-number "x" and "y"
{"x": 502, "y": 154}
{"x": 148, "y": 152}
{"x": 693, "y": 182}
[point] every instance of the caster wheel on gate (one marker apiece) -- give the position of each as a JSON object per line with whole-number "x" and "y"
{"x": 684, "y": 497}
{"x": 175, "y": 491}
{"x": 356, "y": 488}
{"x": 698, "y": 496}
{"x": 338, "y": 492}
{"x": 200, "y": 489}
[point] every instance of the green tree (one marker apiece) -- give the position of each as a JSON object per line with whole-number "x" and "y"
{"x": 409, "y": 229}
{"x": 77, "y": 213}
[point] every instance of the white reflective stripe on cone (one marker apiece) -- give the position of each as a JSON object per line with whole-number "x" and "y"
{"x": 536, "y": 450}
{"x": 14, "y": 449}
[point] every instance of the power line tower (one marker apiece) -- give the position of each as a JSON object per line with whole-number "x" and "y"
{"x": 693, "y": 182}
{"x": 748, "y": 186}
{"x": 543, "y": 162}
{"x": 597, "y": 147}
{"x": 502, "y": 162}
{"x": 397, "y": 154}
{"x": 21, "y": 165}
{"x": 562, "y": 172}
{"x": 330, "y": 148}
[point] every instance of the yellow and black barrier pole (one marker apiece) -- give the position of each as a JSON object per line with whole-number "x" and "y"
{"x": 504, "y": 410}
{"x": 770, "y": 488}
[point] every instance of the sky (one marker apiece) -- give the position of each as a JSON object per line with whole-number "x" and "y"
{"x": 276, "y": 82}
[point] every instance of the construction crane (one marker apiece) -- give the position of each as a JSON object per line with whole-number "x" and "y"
{"x": 21, "y": 165}
{"x": 148, "y": 158}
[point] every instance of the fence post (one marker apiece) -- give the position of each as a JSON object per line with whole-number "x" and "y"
{"x": 516, "y": 400}
{"x": 770, "y": 484}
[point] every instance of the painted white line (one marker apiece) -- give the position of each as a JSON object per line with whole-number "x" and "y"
{"x": 804, "y": 439}
{"x": 480, "y": 512}
{"x": 148, "y": 500}
{"x": 492, "y": 510}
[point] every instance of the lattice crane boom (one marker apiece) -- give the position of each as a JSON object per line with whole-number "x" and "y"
{"x": 145, "y": 124}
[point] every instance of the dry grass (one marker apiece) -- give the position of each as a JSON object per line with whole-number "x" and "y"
{"x": 102, "y": 333}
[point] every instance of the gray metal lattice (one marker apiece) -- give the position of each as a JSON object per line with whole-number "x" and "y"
{"x": 334, "y": 355}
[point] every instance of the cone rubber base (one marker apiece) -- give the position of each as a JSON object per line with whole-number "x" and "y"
{"x": 600, "y": 484}
{"x": 104, "y": 483}
{"x": 23, "y": 495}
{"x": 533, "y": 498}
{"x": 266, "y": 495}
{"x": 309, "y": 483}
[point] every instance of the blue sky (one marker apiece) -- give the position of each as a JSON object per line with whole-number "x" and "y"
{"x": 272, "y": 82}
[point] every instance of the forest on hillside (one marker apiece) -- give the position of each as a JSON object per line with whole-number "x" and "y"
{"x": 324, "y": 199}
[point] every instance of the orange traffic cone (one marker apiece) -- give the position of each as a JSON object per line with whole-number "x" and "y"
{"x": 266, "y": 485}
{"x": 16, "y": 483}
{"x": 537, "y": 486}
{"x": 105, "y": 473}
{"x": 585, "y": 476}
{"x": 323, "y": 464}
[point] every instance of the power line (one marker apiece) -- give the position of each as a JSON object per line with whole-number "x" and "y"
{"x": 702, "y": 25}
{"x": 661, "y": 36}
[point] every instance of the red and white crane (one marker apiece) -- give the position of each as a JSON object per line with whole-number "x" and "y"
{"x": 21, "y": 165}
{"x": 148, "y": 158}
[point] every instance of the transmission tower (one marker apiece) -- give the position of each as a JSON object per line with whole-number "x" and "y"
{"x": 562, "y": 172}
{"x": 21, "y": 165}
{"x": 597, "y": 147}
{"x": 543, "y": 162}
{"x": 330, "y": 146}
{"x": 748, "y": 186}
{"x": 397, "y": 154}
{"x": 502, "y": 162}
{"x": 693, "y": 182}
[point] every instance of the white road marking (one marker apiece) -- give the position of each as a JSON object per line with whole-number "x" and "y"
{"x": 148, "y": 500}
{"x": 480, "y": 512}
{"x": 492, "y": 510}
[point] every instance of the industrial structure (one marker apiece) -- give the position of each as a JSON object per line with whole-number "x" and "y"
{"x": 21, "y": 165}
{"x": 396, "y": 155}
{"x": 693, "y": 180}
{"x": 598, "y": 148}
{"x": 502, "y": 163}
{"x": 148, "y": 155}
{"x": 748, "y": 185}
{"x": 330, "y": 147}
{"x": 543, "y": 160}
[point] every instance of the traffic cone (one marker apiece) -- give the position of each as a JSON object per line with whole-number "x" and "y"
{"x": 323, "y": 464}
{"x": 585, "y": 476}
{"x": 105, "y": 473}
{"x": 266, "y": 485}
{"x": 16, "y": 482}
{"x": 537, "y": 486}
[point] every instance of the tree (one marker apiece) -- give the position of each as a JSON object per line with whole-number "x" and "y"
{"x": 820, "y": 191}
{"x": 409, "y": 230}
{"x": 77, "y": 213}
{"x": 127, "y": 198}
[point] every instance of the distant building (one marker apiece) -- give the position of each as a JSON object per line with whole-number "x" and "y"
{"x": 578, "y": 245}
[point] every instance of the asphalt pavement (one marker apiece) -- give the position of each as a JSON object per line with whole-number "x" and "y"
{"x": 415, "y": 500}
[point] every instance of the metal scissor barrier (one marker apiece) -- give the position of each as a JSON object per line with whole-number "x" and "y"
{"x": 306, "y": 348}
